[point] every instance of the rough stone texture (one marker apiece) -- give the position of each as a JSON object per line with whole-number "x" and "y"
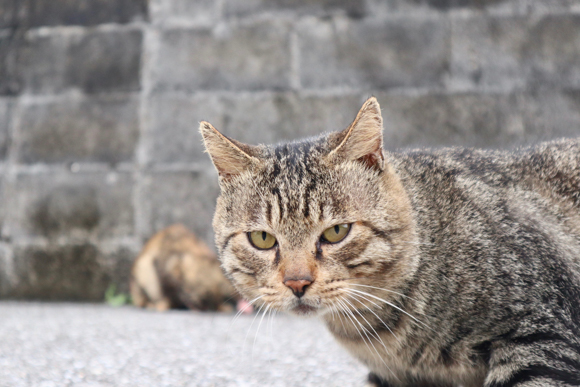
{"x": 179, "y": 197}
{"x": 491, "y": 120}
{"x": 9, "y": 13}
{"x": 6, "y": 113}
{"x": 260, "y": 119}
{"x": 76, "y": 206}
{"x": 54, "y": 272}
{"x": 496, "y": 7}
{"x": 518, "y": 52}
{"x": 10, "y": 83}
{"x": 6, "y": 282}
{"x": 447, "y": 4}
{"x": 100, "y": 102}
{"x": 202, "y": 12}
{"x": 374, "y": 54}
{"x": 73, "y": 271}
{"x": 4, "y": 252}
{"x": 118, "y": 262}
{"x": 36, "y": 13}
{"x": 96, "y": 61}
{"x": 229, "y": 57}
{"x": 107, "y": 61}
{"x": 352, "y": 8}
{"x": 95, "y": 129}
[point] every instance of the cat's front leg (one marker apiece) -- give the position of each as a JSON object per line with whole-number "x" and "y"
{"x": 375, "y": 381}
{"x": 549, "y": 364}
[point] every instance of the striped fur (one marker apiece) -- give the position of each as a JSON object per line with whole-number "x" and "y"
{"x": 461, "y": 267}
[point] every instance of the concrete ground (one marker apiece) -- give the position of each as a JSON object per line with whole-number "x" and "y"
{"x": 44, "y": 344}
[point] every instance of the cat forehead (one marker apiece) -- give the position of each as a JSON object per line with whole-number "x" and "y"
{"x": 294, "y": 156}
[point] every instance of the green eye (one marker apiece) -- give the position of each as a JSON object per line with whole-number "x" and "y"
{"x": 262, "y": 240}
{"x": 336, "y": 233}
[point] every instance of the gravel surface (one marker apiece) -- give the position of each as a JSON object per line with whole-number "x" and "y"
{"x": 97, "y": 345}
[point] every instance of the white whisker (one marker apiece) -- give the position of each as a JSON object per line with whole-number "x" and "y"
{"x": 250, "y": 328}
{"x": 370, "y": 325}
{"x": 258, "y": 330}
{"x": 357, "y": 296}
{"x": 250, "y": 303}
{"x": 392, "y": 305}
{"x": 239, "y": 313}
{"x": 384, "y": 289}
{"x": 364, "y": 330}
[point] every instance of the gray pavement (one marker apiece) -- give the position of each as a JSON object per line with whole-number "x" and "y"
{"x": 97, "y": 345}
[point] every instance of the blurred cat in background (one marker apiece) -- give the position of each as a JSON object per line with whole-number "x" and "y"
{"x": 176, "y": 270}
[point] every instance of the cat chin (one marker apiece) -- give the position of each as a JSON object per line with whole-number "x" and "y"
{"x": 304, "y": 310}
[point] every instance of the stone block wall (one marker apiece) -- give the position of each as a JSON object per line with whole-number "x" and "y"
{"x": 100, "y": 102}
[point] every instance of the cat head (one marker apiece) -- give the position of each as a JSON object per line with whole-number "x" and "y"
{"x": 301, "y": 224}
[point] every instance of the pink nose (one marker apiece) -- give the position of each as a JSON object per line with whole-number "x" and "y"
{"x": 298, "y": 287}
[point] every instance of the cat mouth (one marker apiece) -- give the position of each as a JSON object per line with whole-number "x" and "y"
{"x": 303, "y": 309}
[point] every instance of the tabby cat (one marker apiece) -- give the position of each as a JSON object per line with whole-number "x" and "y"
{"x": 448, "y": 267}
{"x": 177, "y": 270}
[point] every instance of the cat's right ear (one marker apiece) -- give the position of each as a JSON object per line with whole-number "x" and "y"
{"x": 230, "y": 157}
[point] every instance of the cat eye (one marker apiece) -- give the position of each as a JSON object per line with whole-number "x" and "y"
{"x": 261, "y": 240}
{"x": 336, "y": 233}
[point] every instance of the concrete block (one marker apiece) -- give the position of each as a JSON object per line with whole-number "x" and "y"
{"x": 120, "y": 260}
{"x": 352, "y": 8}
{"x": 377, "y": 54}
{"x": 548, "y": 115}
{"x": 3, "y": 207}
{"x": 255, "y": 119}
{"x": 228, "y": 57}
{"x": 382, "y": 8}
{"x": 199, "y": 12}
{"x": 179, "y": 197}
{"x": 9, "y": 13}
{"x": 515, "y": 52}
{"x": 74, "y": 129}
{"x": 6, "y": 113}
{"x": 444, "y": 5}
{"x": 174, "y": 134}
{"x": 10, "y": 82}
{"x": 63, "y": 204}
{"x": 41, "y": 63}
{"x": 6, "y": 280}
{"x": 38, "y": 13}
{"x": 310, "y": 115}
{"x": 98, "y": 61}
{"x": 478, "y": 120}
{"x": 105, "y": 61}
{"x": 72, "y": 272}
{"x": 436, "y": 120}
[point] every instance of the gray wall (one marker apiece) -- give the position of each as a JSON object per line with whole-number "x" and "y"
{"x": 100, "y": 102}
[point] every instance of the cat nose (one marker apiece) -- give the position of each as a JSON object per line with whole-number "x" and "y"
{"x": 299, "y": 286}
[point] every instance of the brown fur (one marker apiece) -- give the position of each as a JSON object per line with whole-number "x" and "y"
{"x": 461, "y": 267}
{"x": 177, "y": 270}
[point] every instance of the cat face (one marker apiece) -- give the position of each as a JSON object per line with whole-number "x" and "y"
{"x": 298, "y": 225}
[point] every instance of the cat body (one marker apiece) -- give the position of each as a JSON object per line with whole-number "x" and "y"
{"x": 175, "y": 269}
{"x": 498, "y": 236}
{"x": 449, "y": 267}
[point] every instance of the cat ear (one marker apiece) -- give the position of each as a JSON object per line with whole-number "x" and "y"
{"x": 363, "y": 139}
{"x": 230, "y": 157}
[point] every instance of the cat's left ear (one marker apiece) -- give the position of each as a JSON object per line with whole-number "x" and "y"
{"x": 363, "y": 139}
